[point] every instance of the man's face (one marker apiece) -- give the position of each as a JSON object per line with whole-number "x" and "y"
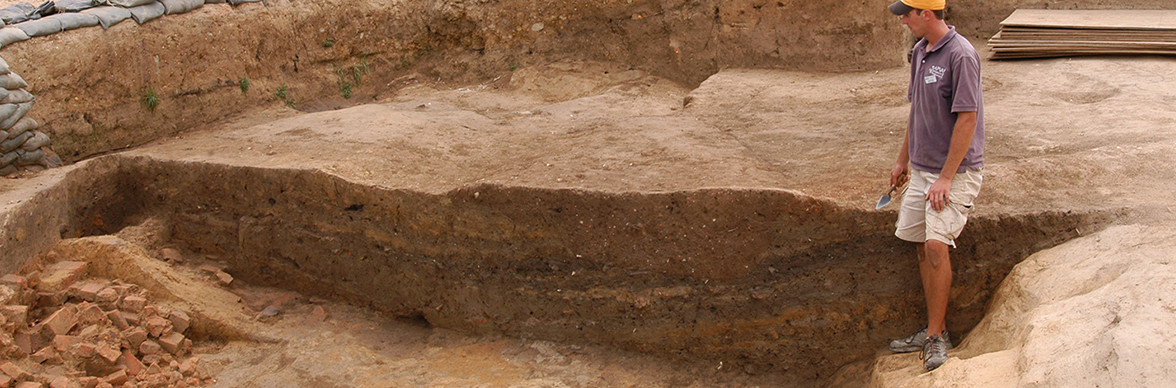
{"x": 915, "y": 22}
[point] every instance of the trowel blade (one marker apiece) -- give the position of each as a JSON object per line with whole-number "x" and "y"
{"x": 882, "y": 202}
{"x": 885, "y": 200}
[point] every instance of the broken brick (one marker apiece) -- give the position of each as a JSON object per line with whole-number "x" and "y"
{"x": 188, "y": 367}
{"x": 14, "y": 279}
{"x": 117, "y": 320}
{"x": 149, "y": 347}
{"x": 87, "y": 290}
{"x": 61, "y": 275}
{"x": 223, "y": 278}
{"x": 171, "y": 255}
{"x": 172, "y": 343}
{"x": 61, "y": 321}
{"x": 64, "y": 382}
{"x": 108, "y": 353}
{"x": 5, "y": 381}
{"x": 8, "y": 294}
{"x": 157, "y": 326}
{"x": 119, "y": 377}
{"x": 64, "y": 342}
{"x": 133, "y": 303}
{"x": 48, "y": 355}
{"x": 29, "y": 384}
{"x": 17, "y": 315}
{"x": 107, "y": 298}
{"x": 90, "y": 314}
{"x": 84, "y": 350}
{"x": 51, "y": 299}
{"x": 88, "y": 381}
{"x": 14, "y": 371}
{"x": 134, "y": 337}
{"x": 131, "y": 318}
{"x": 131, "y": 363}
{"x": 180, "y": 320}
{"x": 27, "y": 342}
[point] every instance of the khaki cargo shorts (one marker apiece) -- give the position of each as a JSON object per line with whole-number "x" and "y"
{"x": 917, "y": 222}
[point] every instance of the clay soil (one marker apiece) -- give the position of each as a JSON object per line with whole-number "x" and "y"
{"x": 1082, "y": 136}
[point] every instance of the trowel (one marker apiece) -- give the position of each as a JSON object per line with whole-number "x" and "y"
{"x": 885, "y": 200}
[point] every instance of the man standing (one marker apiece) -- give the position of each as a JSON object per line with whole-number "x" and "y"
{"x": 941, "y": 156}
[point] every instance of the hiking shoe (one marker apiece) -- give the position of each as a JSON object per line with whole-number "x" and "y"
{"x": 935, "y": 351}
{"x": 914, "y": 343}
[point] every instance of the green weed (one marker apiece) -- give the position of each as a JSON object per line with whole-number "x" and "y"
{"x": 244, "y": 85}
{"x": 150, "y": 99}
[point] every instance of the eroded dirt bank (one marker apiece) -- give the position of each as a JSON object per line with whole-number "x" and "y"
{"x": 318, "y": 51}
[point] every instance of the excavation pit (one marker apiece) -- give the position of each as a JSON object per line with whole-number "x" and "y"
{"x": 763, "y": 280}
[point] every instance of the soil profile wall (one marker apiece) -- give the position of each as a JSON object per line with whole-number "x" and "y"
{"x": 755, "y": 278}
{"x": 204, "y": 66}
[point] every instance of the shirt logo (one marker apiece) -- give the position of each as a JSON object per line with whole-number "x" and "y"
{"x": 936, "y": 73}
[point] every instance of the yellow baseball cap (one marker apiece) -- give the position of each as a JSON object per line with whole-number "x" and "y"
{"x": 901, "y": 7}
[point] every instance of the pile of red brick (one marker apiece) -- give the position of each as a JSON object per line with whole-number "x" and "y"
{"x": 60, "y": 329}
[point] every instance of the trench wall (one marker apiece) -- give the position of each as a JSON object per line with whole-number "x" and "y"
{"x": 758, "y": 279}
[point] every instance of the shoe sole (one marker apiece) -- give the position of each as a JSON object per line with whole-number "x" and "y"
{"x": 906, "y": 349}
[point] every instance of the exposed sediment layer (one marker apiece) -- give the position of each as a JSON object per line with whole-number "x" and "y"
{"x": 754, "y": 278}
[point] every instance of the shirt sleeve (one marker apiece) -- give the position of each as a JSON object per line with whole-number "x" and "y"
{"x": 966, "y": 71}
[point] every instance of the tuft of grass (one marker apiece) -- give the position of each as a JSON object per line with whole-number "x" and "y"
{"x": 328, "y": 43}
{"x": 150, "y": 99}
{"x": 244, "y": 85}
{"x": 281, "y": 94}
{"x": 284, "y": 94}
{"x": 351, "y": 77}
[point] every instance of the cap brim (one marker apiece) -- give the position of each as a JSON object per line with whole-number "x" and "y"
{"x": 899, "y": 8}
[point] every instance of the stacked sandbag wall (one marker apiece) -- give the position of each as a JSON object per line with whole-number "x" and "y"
{"x": 22, "y": 147}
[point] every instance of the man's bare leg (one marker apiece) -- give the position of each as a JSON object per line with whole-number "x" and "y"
{"x": 935, "y": 270}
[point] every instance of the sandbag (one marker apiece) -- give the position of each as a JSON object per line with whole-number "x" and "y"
{"x": 146, "y": 13}
{"x": 40, "y": 27}
{"x": 8, "y": 170}
{"x": 109, "y": 16}
{"x": 70, "y": 21}
{"x": 10, "y": 35}
{"x": 21, "y": 110}
{"x": 12, "y": 81}
{"x": 214, "y": 1}
{"x": 4, "y": 94}
{"x": 172, "y": 7}
{"x": 6, "y": 111}
{"x": 130, "y": 3}
{"x": 25, "y": 124}
{"x": 18, "y": 12}
{"x": 14, "y": 143}
{"x": 239, "y": 2}
{"x": 28, "y": 158}
{"x": 63, "y": 6}
{"x": 16, "y": 96}
{"x": 39, "y": 139}
{"x": 7, "y": 158}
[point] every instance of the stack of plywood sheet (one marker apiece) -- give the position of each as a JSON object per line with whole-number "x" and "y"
{"x": 1041, "y": 33}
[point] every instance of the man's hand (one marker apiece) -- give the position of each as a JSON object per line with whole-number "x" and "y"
{"x": 898, "y": 176}
{"x": 937, "y": 194}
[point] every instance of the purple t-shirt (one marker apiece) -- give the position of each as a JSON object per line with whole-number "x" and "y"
{"x": 944, "y": 81}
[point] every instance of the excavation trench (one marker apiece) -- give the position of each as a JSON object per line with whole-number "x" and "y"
{"x": 761, "y": 279}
